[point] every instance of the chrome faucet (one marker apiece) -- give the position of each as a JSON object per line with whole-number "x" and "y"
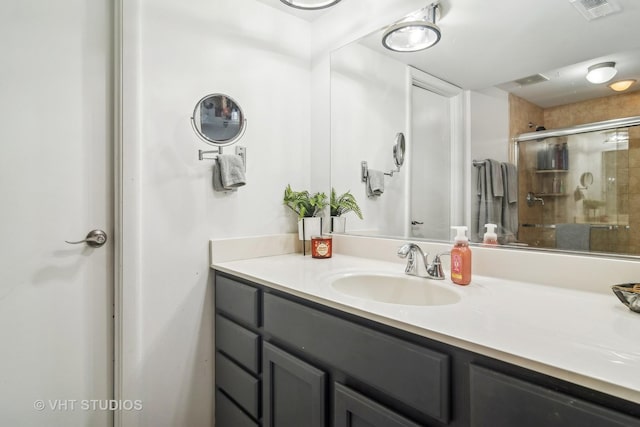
{"x": 418, "y": 262}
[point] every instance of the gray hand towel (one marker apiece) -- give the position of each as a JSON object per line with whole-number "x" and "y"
{"x": 231, "y": 171}
{"x": 509, "y": 226}
{"x": 375, "y": 183}
{"x": 494, "y": 177}
{"x": 490, "y": 196}
{"x": 510, "y": 181}
{"x": 217, "y": 180}
{"x": 573, "y": 236}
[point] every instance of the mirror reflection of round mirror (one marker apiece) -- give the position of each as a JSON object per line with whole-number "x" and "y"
{"x": 586, "y": 179}
{"x": 398, "y": 149}
{"x": 218, "y": 120}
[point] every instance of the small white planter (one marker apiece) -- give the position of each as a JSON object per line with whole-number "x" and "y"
{"x": 312, "y": 227}
{"x": 338, "y": 224}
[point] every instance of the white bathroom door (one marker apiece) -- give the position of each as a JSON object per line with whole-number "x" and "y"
{"x": 430, "y": 210}
{"x": 56, "y": 174}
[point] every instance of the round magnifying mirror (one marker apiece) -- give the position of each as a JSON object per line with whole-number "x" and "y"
{"x": 218, "y": 120}
{"x": 586, "y": 179}
{"x": 398, "y": 150}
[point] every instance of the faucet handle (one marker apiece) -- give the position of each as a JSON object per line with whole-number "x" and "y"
{"x": 404, "y": 250}
{"x": 435, "y": 268}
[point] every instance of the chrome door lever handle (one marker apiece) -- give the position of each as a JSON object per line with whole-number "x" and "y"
{"x": 417, "y": 222}
{"x": 95, "y": 239}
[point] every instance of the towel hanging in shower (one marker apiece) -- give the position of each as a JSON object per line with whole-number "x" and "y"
{"x": 575, "y": 237}
{"x": 490, "y": 191}
{"x": 509, "y": 203}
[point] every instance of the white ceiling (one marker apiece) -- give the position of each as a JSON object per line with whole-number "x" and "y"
{"x": 493, "y": 42}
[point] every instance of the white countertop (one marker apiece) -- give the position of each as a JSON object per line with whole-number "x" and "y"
{"x": 583, "y": 337}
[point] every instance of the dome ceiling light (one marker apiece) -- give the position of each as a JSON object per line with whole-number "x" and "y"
{"x": 601, "y": 73}
{"x": 415, "y": 32}
{"x": 310, "y": 4}
{"x": 622, "y": 85}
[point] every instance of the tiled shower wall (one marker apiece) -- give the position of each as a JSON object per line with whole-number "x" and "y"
{"x": 522, "y": 113}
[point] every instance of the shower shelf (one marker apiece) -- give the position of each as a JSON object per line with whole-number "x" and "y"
{"x": 552, "y": 170}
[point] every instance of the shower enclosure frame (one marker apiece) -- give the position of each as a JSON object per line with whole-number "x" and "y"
{"x": 599, "y": 126}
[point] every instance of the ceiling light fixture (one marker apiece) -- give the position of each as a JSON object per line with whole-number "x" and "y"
{"x": 601, "y": 73}
{"x": 622, "y": 85}
{"x": 310, "y": 4}
{"x": 415, "y": 32}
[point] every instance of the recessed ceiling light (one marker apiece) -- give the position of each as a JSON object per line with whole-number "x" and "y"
{"x": 601, "y": 73}
{"x": 622, "y": 85}
{"x": 310, "y": 4}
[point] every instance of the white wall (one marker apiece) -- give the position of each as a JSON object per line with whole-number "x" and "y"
{"x": 489, "y": 130}
{"x": 174, "y": 53}
{"x": 340, "y": 25}
{"x": 188, "y": 49}
{"x": 368, "y": 98}
{"x": 489, "y": 120}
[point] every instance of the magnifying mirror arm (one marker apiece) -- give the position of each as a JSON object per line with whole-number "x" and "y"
{"x": 201, "y": 153}
{"x": 365, "y": 171}
{"x": 240, "y": 151}
{"x": 390, "y": 173}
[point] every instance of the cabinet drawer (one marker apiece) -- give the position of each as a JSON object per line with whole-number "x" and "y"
{"x": 241, "y": 386}
{"x": 411, "y": 374}
{"x": 237, "y": 300}
{"x": 238, "y": 343}
{"x": 500, "y": 400}
{"x": 229, "y": 415}
{"x": 352, "y": 409}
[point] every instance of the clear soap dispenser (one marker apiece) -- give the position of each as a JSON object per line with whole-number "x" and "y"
{"x": 461, "y": 257}
{"x": 490, "y": 237}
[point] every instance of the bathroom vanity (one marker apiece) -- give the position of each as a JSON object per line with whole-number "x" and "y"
{"x": 291, "y": 351}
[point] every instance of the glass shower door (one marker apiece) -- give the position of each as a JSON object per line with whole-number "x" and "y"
{"x": 579, "y": 193}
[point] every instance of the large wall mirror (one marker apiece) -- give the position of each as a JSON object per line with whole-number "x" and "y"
{"x": 496, "y": 73}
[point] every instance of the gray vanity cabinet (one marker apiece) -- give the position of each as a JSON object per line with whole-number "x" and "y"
{"x": 228, "y": 414}
{"x": 293, "y": 391}
{"x": 280, "y": 363}
{"x": 283, "y": 361}
{"x": 238, "y": 354}
{"x": 402, "y": 371}
{"x": 352, "y": 409}
{"x": 501, "y": 400}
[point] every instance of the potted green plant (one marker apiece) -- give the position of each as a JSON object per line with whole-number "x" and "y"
{"x": 309, "y": 209}
{"x": 340, "y": 205}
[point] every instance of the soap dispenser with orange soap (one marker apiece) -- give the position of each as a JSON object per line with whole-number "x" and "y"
{"x": 461, "y": 257}
{"x": 490, "y": 237}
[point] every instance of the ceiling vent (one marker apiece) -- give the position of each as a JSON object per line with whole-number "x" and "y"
{"x": 594, "y": 9}
{"x": 531, "y": 80}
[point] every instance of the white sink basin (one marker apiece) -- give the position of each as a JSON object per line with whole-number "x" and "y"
{"x": 395, "y": 289}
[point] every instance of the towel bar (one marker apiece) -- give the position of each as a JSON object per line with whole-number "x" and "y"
{"x": 240, "y": 151}
{"x": 364, "y": 171}
{"x": 592, "y": 226}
